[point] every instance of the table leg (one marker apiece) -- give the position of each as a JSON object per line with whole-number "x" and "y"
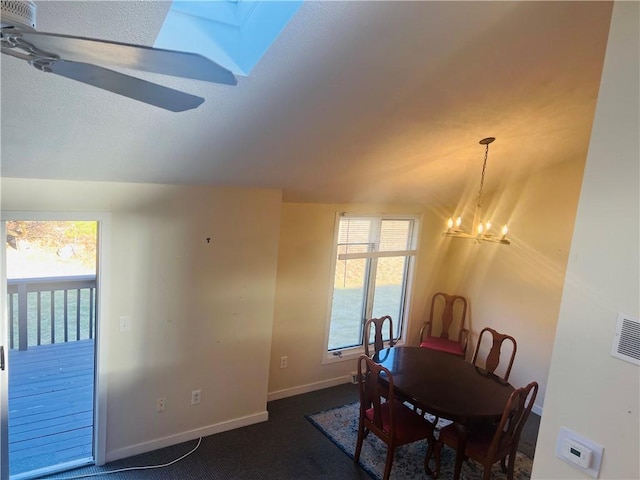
{"x": 462, "y": 446}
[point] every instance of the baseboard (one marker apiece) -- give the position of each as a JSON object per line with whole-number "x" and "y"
{"x": 237, "y": 422}
{"x": 309, "y": 387}
{"x": 223, "y": 426}
{"x": 186, "y": 436}
{"x": 537, "y": 409}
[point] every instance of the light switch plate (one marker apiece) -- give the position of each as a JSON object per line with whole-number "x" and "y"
{"x": 579, "y": 452}
{"x": 125, "y": 324}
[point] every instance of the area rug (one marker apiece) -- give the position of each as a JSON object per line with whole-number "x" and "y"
{"x": 340, "y": 425}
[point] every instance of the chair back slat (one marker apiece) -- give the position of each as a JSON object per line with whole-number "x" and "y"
{"x": 452, "y": 304}
{"x": 513, "y": 418}
{"x": 378, "y": 342}
{"x": 447, "y": 317}
{"x": 492, "y": 359}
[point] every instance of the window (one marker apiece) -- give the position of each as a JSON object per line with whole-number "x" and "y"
{"x": 374, "y": 259}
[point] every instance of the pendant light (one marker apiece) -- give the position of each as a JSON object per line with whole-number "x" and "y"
{"x": 481, "y": 228}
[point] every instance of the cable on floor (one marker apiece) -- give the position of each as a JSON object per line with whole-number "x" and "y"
{"x": 129, "y": 469}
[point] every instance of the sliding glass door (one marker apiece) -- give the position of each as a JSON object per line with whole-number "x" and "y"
{"x": 49, "y": 388}
{"x": 4, "y": 377}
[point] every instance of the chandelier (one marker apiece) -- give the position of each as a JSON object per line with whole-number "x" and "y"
{"x": 482, "y": 228}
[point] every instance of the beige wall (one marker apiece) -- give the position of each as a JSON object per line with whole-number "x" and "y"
{"x": 202, "y": 313}
{"x": 515, "y": 289}
{"x": 302, "y": 294}
{"x": 219, "y": 316}
{"x": 589, "y": 391}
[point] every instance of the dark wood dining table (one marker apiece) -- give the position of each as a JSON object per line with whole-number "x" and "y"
{"x": 446, "y": 386}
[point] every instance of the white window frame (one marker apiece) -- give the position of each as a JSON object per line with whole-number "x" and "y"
{"x": 350, "y": 353}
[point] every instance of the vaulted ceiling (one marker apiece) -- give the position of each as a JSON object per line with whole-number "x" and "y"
{"x": 354, "y": 101}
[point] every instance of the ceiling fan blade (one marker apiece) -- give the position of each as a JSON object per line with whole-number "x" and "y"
{"x": 125, "y": 85}
{"x": 137, "y": 57}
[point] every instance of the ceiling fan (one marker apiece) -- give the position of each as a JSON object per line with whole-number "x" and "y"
{"x": 76, "y": 58}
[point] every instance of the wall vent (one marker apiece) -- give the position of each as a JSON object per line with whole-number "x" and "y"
{"x": 626, "y": 342}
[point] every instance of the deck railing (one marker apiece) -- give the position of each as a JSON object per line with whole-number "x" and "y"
{"x": 51, "y": 310}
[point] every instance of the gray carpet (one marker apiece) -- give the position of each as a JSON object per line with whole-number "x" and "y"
{"x": 286, "y": 447}
{"x": 341, "y": 426}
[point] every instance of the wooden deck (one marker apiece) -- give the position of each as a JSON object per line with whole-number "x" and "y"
{"x": 50, "y": 405}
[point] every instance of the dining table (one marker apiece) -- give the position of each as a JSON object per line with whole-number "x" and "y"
{"x": 446, "y": 386}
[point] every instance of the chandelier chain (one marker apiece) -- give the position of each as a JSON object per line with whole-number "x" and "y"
{"x": 484, "y": 167}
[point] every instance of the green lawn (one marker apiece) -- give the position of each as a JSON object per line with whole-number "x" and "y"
{"x": 346, "y": 310}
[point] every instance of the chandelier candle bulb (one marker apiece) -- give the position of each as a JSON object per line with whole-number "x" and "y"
{"x": 450, "y": 224}
{"x": 505, "y": 230}
{"x": 480, "y": 229}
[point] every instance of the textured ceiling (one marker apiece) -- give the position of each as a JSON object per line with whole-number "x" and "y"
{"x": 355, "y": 101}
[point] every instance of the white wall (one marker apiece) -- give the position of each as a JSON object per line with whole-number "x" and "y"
{"x": 202, "y": 313}
{"x": 589, "y": 391}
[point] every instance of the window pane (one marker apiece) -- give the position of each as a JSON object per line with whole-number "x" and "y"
{"x": 355, "y": 231}
{"x": 389, "y": 291}
{"x": 396, "y": 235}
{"x": 348, "y": 302}
{"x": 374, "y": 285}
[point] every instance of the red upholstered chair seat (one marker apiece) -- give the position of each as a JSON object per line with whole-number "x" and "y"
{"x": 409, "y": 426}
{"x": 478, "y": 439}
{"x": 443, "y": 345}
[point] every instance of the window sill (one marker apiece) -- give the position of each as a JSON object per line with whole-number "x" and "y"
{"x": 349, "y": 354}
{"x": 345, "y": 355}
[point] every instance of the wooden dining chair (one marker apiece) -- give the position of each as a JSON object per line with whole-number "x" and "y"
{"x": 385, "y": 416}
{"x": 378, "y": 342}
{"x": 453, "y": 337}
{"x": 492, "y": 360}
{"x": 488, "y": 443}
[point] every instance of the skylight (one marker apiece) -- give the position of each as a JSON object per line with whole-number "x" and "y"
{"x": 234, "y": 34}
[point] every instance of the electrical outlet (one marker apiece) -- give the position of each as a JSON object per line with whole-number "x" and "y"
{"x": 283, "y": 362}
{"x": 161, "y": 404}
{"x": 195, "y": 397}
